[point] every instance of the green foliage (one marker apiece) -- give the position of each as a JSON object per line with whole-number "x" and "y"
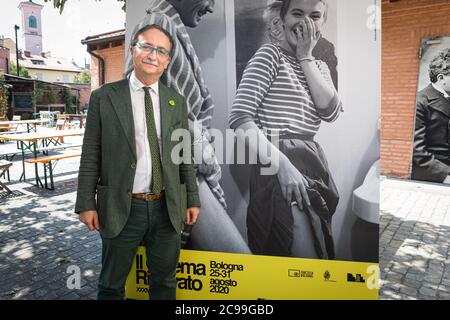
{"x": 69, "y": 101}
{"x": 51, "y": 97}
{"x": 4, "y": 88}
{"x": 38, "y": 93}
{"x": 83, "y": 78}
{"x": 59, "y": 4}
{"x": 23, "y": 72}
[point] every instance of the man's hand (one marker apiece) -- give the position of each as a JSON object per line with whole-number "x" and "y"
{"x": 90, "y": 218}
{"x": 191, "y": 215}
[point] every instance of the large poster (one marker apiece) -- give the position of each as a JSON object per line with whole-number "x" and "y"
{"x": 305, "y": 225}
{"x": 431, "y": 152}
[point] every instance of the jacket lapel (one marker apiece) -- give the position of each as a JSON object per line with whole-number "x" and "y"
{"x": 121, "y": 100}
{"x": 164, "y": 97}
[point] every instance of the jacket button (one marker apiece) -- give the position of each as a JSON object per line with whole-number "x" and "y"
{"x": 133, "y": 166}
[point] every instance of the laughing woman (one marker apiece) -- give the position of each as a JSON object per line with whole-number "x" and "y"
{"x": 286, "y": 93}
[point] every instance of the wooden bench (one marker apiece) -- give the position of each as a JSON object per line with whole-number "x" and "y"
{"x": 45, "y": 150}
{"x": 48, "y": 164}
{"x": 4, "y": 169}
{"x": 9, "y": 156}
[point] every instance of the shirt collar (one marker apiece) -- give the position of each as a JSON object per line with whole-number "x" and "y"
{"x": 137, "y": 85}
{"x": 446, "y": 95}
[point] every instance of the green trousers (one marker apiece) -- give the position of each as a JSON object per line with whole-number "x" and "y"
{"x": 148, "y": 224}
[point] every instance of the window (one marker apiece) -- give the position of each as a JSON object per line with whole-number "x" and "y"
{"x": 66, "y": 79}
{"x": 39, "y": 76}
{"x": 38, "y": 62}
{"x": 32, "y": 22}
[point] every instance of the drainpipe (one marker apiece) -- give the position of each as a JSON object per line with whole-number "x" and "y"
{"x": 101, "y": 66}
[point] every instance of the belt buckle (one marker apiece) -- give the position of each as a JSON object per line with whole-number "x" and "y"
{"x": 148, "y": 197}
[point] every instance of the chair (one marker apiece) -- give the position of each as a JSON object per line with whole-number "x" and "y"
{"x": 46, "y": 115}
{"x": 60, "y": 125}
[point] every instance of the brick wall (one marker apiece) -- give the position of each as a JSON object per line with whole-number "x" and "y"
{"x": 404, "y": 24}
{"x": 114, "y": 65}
{"x": 85, "y": 93}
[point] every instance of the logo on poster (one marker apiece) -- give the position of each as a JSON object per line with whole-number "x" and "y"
{"x": 327, "y": 276}
{"x": 294, "y": 273}
{"x": 358, "y": 278}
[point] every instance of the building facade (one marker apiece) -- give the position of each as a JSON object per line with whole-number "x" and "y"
{"x": 32, "y": 26}
{"x": 107, "y": 52}
{"x": 4, "y": 57}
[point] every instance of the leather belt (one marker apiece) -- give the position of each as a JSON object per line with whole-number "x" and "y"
{"x": 148, "y": 196}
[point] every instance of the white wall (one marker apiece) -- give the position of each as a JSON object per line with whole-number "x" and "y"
{"x": 351, "y": 143}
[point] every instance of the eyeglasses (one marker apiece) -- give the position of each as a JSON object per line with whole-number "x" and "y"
{"x": 148, "y": 48}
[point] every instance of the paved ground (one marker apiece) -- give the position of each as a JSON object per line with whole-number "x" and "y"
{"x": 414, "y": 241}
{"x": 41, "y": 237}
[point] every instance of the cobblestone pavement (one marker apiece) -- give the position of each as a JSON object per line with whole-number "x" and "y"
{"x": 41, "y": 237}
{"x": 414, "y": 241}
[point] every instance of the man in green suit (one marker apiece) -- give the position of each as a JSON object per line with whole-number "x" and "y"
{"x": 128, "y": 186}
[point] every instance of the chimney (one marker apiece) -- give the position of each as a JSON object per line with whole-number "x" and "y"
{"x": 27, "y": 54}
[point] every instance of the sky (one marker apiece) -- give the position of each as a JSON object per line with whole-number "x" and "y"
{"x": 62, "y": 33}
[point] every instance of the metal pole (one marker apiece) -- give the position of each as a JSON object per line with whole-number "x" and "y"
{"x": 16, "y": 27}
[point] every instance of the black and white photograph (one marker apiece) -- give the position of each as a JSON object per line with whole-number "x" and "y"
{"x": 297, "y": 70}
{"x": 431, "y": 150}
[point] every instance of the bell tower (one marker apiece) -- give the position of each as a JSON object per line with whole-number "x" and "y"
{"x": 32, "y": 26}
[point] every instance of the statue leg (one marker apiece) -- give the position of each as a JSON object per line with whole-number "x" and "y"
{"x": 214, "y": 229}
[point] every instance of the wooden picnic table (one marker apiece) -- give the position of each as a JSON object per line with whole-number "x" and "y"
{"x": 30, "y": 141}
{"x": 81, "y": 117}
{"x": 31, "y": 124}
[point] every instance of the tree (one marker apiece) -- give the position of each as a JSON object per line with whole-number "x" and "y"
{"x": 83, "y": 78}
{"x": 23, "y": 72}
{"x": 59, "y": 4}
{"x": 68, "y": 98}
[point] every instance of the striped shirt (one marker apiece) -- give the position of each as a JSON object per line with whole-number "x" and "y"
{"x": 275, "y": 95}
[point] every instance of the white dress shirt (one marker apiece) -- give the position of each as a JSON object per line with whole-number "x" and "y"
{"x": 143, "y": 175}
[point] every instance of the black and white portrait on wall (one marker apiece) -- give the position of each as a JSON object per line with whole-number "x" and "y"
{"x": 431, "y": 151}
{"x": 234, "y": 43}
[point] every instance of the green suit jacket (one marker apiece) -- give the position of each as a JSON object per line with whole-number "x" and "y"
{"x": 108, "y": 159}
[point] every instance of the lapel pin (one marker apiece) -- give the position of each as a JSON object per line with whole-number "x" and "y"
{"x": 172, "y": 103}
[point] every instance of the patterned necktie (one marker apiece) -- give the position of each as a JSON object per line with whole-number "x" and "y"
{"x": 156, "y": 184}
